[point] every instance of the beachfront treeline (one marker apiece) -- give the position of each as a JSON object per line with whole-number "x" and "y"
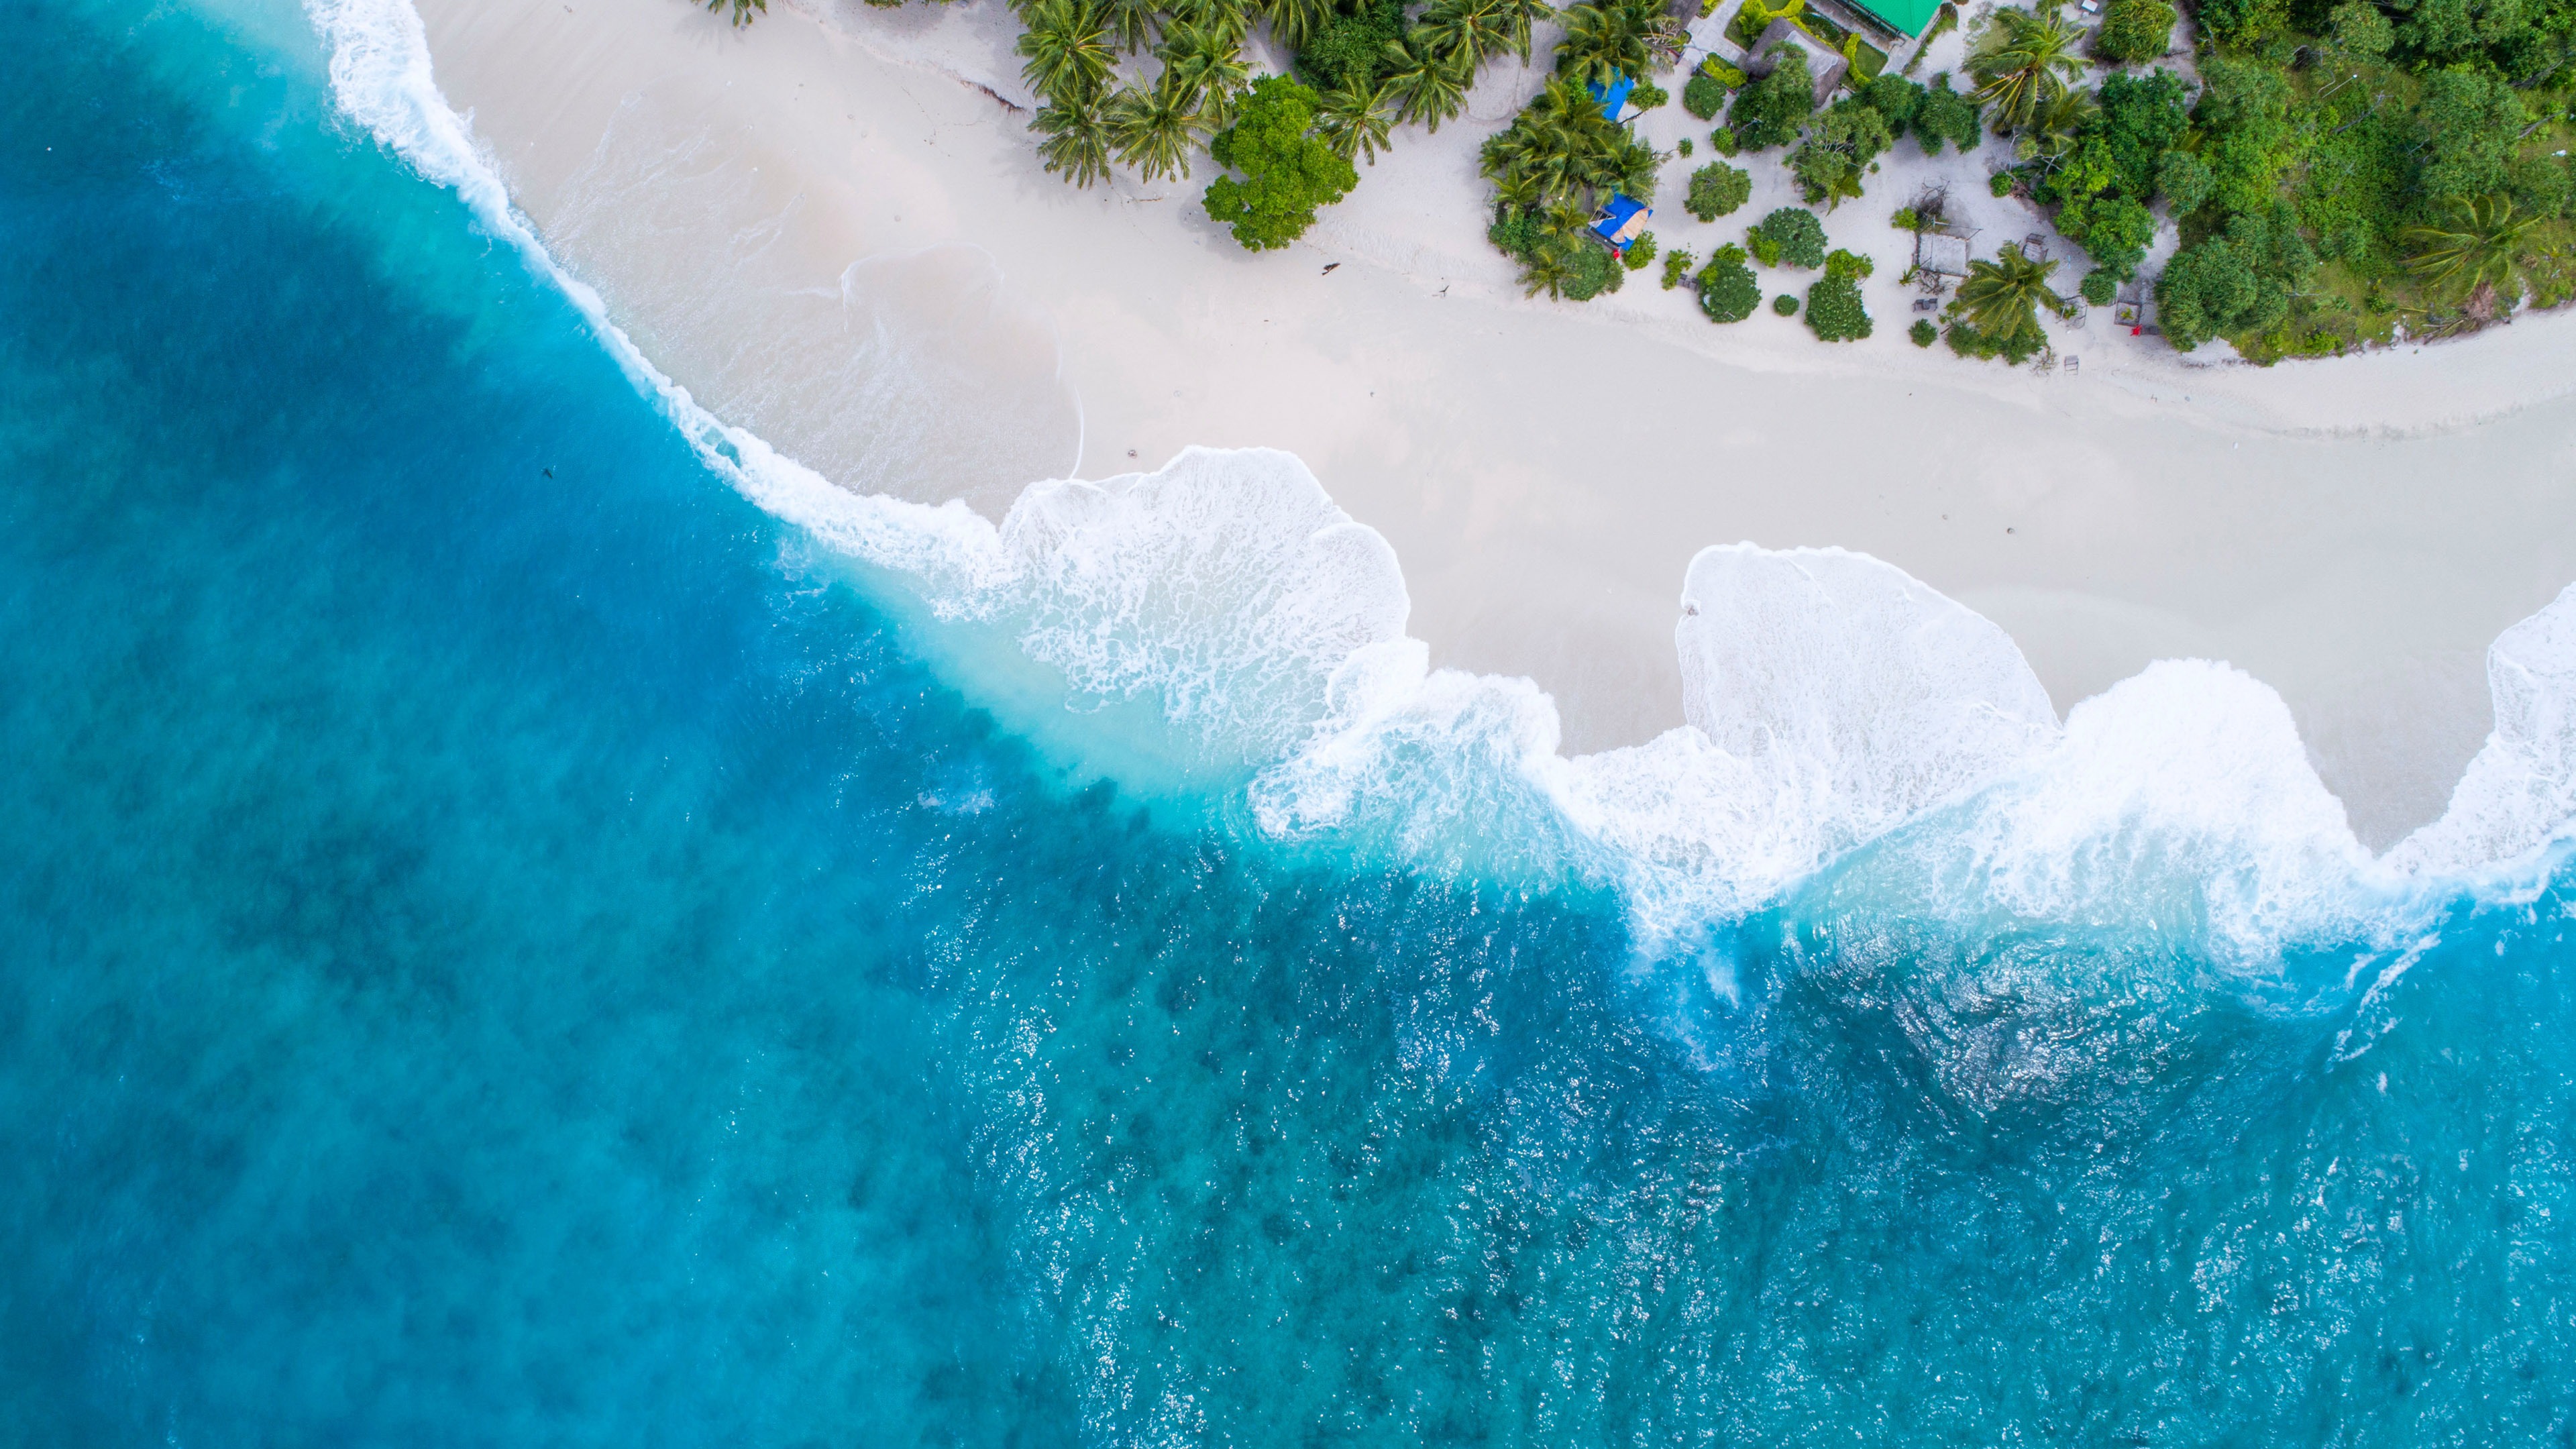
{"x": 2316, "y": 174}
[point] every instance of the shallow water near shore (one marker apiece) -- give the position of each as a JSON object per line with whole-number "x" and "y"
{"x": 502, "y": 939}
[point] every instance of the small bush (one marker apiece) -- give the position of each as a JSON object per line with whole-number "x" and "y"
{"x": 1716, "y": 190}
{"x": 1682, "y": 147}
{"x": 1648, "y": 95}
{"x": 2097, "y": 287}
{"x": 1834, "y": 310}
{"x": 1720, "y": 71}
{"x": 1923, "y": 332}
{"x": 1723, "y": 142}
{"x": 1704, "y": 96}
{"x": 1967, "y": 341}
{"x": 1785, "y": 305}
{"x": 1641, "y": 253}
{"x": 2134, "y": 31}
{"x": 1850, "y": 266}
{"x": 1796, "y": 238}
{"x": 1905, "y": 219}
{"x": 2001, "y": 183}
{"x": 1594, "y": 271}
{"x": 1727, "y": 289}
{"x": 1677, "y": 265}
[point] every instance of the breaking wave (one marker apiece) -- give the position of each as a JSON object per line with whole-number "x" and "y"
{"x": 1833, "y": 701}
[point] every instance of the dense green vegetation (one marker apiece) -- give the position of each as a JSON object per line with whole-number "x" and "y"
{"x": 1287, "y": 171}
{"x": 1561, "y": 158}
{"x": 1728, "y": 290}
{"x": 1788, "y": 237}
{"x": 2341, "y": 168}
{"x": 1716, "y": 190}
{"x": 1834, "y": 310}
{"x": 1365, "y": 67}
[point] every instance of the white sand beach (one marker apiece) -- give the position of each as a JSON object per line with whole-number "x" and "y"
{"x": 833, "y": 229}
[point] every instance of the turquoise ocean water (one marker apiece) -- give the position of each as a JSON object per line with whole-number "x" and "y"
{"x": 501, "y": 942}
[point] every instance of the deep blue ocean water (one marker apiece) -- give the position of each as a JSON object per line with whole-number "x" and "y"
{"x": 499, "y": 946}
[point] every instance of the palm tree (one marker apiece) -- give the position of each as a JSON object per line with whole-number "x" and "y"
{"x": 1353, "y": 121}
{"x": 1077, "y": 141}
{"x": 1229, "y": 18}
{"x": 2023, "y": 64}
{"x": 1294, "y": 22}
{"x": 2002, "y": 298}
{"x": 1517, "y": 18}
{"x": 1207, "y": 62}
{"x": 2488, "y": 251}
{"x": 1604, "y": 39}
{"x": 1153, "y": 130}
{"x": 743, "y": 10}
{"x": 1547, "y": 273}
{"x": 1466, "y": 29}
{"x": 1067, "y": 52}
{"x": 1425, "y": 85}
{"x": 1129, "y": 24}
{"x": 2055, "y": 127}
{"x": 1517, "y": 190}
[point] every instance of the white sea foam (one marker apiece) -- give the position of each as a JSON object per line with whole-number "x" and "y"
{"x": 1832, "y": 699}
{"x": 2519, "y": 794}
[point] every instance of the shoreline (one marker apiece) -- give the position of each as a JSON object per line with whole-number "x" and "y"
{"x": 858, "y": 259}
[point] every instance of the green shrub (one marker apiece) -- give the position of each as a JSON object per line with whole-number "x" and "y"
{"x": 1834, "y": 310}
{"x": 1677, "y": 265}
{"x": 1795, "y": 238}
{"x": 1704, "y": 96}
{"x": 1967, "y": 341}
{"x": 1516, "y": 233}
{"x": 1923, "y": 332}
{"x": 1785, "y": 305}
{"x": 1716, "y": 190}
{"x": 1851, "y": 266}
{"x": 1592, "y": 271}
{"x": 2001, "y": 183}
{"x": 1287, "y": 171}
{"x": 1943, "y": 115}
{"x": 2135, "y": 30}
{"x": 1349, "y": 50}
{"x": 1839, "y": 150}
{"x": 2098, "y": 287}
{"x": 2115, "y": 230}
{"x": 1648, "y": 95}
{"x": 2184, "y": 181}
{"x": 1641, "y": 253}
{"x": 1772, "y": 109}
{"x": 1682, "y": 147}
{"x": 1721, "y": 72}
{"x": 1905, "y": 220}
{"x": 1728, "y": 291}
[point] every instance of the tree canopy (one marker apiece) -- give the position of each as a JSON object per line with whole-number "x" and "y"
{"x": 1287, "y": 171}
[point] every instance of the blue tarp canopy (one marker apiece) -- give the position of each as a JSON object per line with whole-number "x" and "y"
{"x": 1614, "y": 96}
{"x": 1621, "y": 220}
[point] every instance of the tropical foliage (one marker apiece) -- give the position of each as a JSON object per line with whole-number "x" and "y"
{"x": 1287, "y": 171}
{"x": 1728, "y": 290}
{"x": 1772, "y": 108}
{"x": 1552, "y": 168}
{"x": 2023, "y": 62}
{"x": 1716, "y": 190}
{"x": 1834, "y": 310}
{"x": 1840, "y": 148}
{"x": 1996, "y": 310}
{"x": 1789, "y": 237}
{"x": 2134, "y": 31}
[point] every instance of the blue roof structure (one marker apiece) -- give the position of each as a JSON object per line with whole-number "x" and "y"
{"x": 1613, "y": 97}
{"x": 1621, "y": 220}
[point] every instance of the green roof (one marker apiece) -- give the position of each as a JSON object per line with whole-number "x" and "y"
{"x": 1910, "y": 16}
